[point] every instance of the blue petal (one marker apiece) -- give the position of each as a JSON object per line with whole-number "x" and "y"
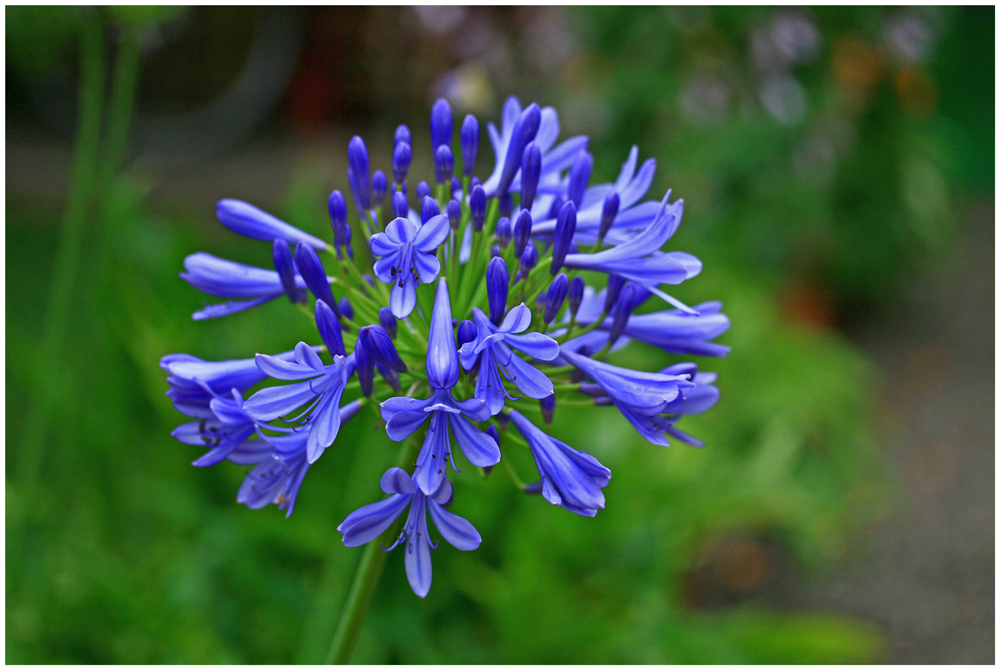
{"x": 432, "y": 234}
{"x": 477, "y": 446}
{"x": 367, "y": 523}
{"x": 535, "y": 345}
{"x": 396, "y": 480}
{"x": 457, "y": 531}
{"x": 277, "y": 401}
{"x": 418, "y": 552}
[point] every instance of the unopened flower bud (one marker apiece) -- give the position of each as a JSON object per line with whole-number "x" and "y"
{"x": 563, "y": 236}
{"x": 401, "y": 157}
{"x": 579, "y": 175}
{"x": 477, "y": 203}
{"x": 444, "y": 163}
{"x": 428, "y": 209}
{"x": 575, "y": 295}
{"x": 555, "y": 297}
{"x": 379, "y": 188}
{"x": 388, "y": 321}
{"x": 329, "y": 329}
{"x": 608, "y": 214}
{"x": 454, "y": 214}
{"x": 497, "y": 281}
{"x": 531, "y": 170}
{"x": 503, "y": 233}
{"x": 469, "y": 137}
{"x": 615, "y": 284}
{"x": 400, "y": 208}
{"x": 522, "y": 232}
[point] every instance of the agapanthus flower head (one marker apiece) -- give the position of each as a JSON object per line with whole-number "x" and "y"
{"x": 367, "y": 523}
{"x": 452, "y": 329}
{"x": 570, "y": 478}
{"x": 406, "y": 256}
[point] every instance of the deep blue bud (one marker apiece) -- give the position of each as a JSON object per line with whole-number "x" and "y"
{"x": 477, "y": 203}
{"x": 365, "y": 364}
{"x": 555, "y": 207}
{"x": 456, "y": 186}
{"x": 608, "y": 214}
{"x": 474, "y": 182}
{"x": 556, "y": 296}
{"x": 522, "y": 232}
{"x": 466, "y": 332}
{"x": 531, "y": 170}
{"x": 388, "y": 321}
{"x": 615, "y": 284}
{"x": 402, "y": 135}
{"x": 314, "y": 275}
{"x": 563, "y": 236}
{"x": 400, "y": 208}
{"x": 329, "y": 329}
{"x": 548, "y": 407}
{"x": 390, "y": 376}
{"x": 497, "y": 280}
{"x": 621, "y": 313}
{"x": 575, "y": 295}
{"x": 507, "y": 205}
{"x": 379, "y": 187}
{"x": 528, "y": 260}
{"x": 378, "y": 343}
{"x": 423, "y": 190}
{"x": 338, "y": 217}
{"x": 444, "y": 163}
{"x": 440, "y": 124}
{"x": 286, "y": 270}
{"x": 345, "y": 308}
{"x": 494, "y": 250}
{"x": 503, "y": 232}
{"x": 542, "y": 297}
{"x": 469, "y": 137}
{"x": 429, "y": 209}
{"x": 401, "y": 157}
{"x": 454, "y": 214}
{"x": 525, "y": 129}
{"x": 579, "y": 175}
{"x": 357, "y": 159}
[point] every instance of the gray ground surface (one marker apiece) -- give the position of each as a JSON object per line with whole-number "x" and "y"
{"x": 926, "y": 576}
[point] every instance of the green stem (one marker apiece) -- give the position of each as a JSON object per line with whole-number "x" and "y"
{"x": 366, "y": 580}
{"x": 82, "y": 191}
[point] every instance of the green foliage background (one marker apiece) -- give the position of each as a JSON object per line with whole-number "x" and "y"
{"x": 119, "y": 551}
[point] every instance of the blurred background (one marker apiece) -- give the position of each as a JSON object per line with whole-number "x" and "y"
{"x": 837, "y": 166}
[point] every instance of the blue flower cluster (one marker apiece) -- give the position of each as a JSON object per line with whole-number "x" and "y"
{"x": 511, "y": 327}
